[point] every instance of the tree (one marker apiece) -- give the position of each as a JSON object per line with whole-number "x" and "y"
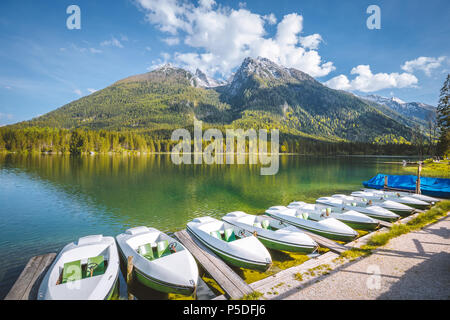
{"x": 76, "y": 143}
{"x": 443, "y": 120}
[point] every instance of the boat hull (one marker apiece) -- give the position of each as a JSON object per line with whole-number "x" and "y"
{"x": 231, "y": 259}
{"x": 156, "y": 284}
{"x": 283, "y": 246}
{"x": 360, "y": 225}
{"x": 332, "y": 236}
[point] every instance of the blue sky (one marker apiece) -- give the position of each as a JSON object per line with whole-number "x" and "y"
{"x": 43, "y": 65}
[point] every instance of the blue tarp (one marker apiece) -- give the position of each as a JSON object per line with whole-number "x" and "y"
{"x": 436, "y": 187}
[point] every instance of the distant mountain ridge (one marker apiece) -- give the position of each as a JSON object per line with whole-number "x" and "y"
{"x": 261, "y": 94}
{"x": 416, "y": 111}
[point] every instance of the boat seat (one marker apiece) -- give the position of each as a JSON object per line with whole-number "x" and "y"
{"x": 95, "y": 266}
{"x": 216, "y": 234}
{"x": 266, "y": 224}
{"x": 146, "y": 250}
{"x": 303, "y": 215}
{"x": 163, "y": 248}
{"x": 72, "y": 271}
{"x": 257, "y": 225}
{"x": 229, "y": 235}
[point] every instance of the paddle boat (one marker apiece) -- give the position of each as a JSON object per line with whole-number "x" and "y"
{"x": 351, "y": 218}
{"x": 233, "y": 244}
{"x": 159, "y": 261}
{"x": 396, "y": 207}
{"x": 274, "y": 234}
{"x": 330, "y": 227}
{"x": 376, "y": 197}
{"x": 430, "y": 200}
{"x": 85, "y": 270}
{"x": 373, "y": 211}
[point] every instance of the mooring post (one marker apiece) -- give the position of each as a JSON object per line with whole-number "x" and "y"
{"x": 129, "y": 277}
{"x": 419, "y": 170}
{"x": 385, "y": 182}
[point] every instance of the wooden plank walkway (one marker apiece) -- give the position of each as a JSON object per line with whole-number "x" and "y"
{"x": 225, "y": 277}
{"x": 27, "y": 285}
{"x": 383, "y": 223}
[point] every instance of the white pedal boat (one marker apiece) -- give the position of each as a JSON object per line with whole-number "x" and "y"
{"x": 159, "y": 261}
{"x": 399, "y": 194}
{"x": 86, "y": 270}
{"x": 393, "y": 206}
{"x": 354, "y": 219}
{"x": 274, "y": 234}
{"x": 233, "y": 244}
{"x": 330, "y": 228}
{"x": 373, "y": 211}
{"x": 408, "y": 201}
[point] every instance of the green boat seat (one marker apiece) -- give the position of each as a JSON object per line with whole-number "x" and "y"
{"x": 146, "y": 250}
{"x": 266, "y": 224}
{"x": 162, "y": 248}
{"x": 216, "y": 234}
{"x": 229, "y": 235}
{"x": 95, "y": 266}
{"x": 257, "y": 225}
{"x": 302, "y": 215}
{"x": 72, "y": 271}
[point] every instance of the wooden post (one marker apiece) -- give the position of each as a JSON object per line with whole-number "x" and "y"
{"x": 129, "y": 277}
{"x": 419, "y": 170}
{"x": 385, "y": 182}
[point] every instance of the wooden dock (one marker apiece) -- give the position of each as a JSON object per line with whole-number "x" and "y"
{"x": 383, "y": 223}
{"x": 225, "y": 277}
{"x": 27, "y": 285}
{"x": 326, "y": 243}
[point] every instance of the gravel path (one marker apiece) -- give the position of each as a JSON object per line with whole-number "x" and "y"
{"x": 413, "y": 266}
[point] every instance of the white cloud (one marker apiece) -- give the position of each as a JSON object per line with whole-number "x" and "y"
{"x": 93, "y": 50}
{"x": 426, "y": 64}
{"x": 311, "y": 42}
{"x": 78, "y": 92}
{"x": 171, "y": 41}
{"x": 340, "y": 82}
{"x": 270, "y": 18}
{"x": 112, "y": 43}
{"x": 366, "y": 81}
{"x": 222, "y": 37}
{"x": 91, "y": 90}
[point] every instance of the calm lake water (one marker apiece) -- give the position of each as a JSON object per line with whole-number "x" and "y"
{"x": 49, "y": 201}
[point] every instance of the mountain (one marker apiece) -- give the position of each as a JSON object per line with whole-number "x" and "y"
{"x": 205, "y": 81}
{"x": 418, "y": 112}
{"x": 261, "y": 94}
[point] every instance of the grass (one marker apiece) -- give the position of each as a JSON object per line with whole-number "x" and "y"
{"x": 298, "y": 276}
{"x": 255, "y": 295}
{"x": 382, "y": 238}
{"x": 431, "y": 169}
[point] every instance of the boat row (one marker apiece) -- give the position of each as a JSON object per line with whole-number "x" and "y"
{"x": 89, "y": 268}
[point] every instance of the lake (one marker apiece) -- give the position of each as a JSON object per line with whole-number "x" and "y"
{"x": 47, "y": 201}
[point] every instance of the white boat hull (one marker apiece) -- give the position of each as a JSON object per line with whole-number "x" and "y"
{"x": 92, "y": 288}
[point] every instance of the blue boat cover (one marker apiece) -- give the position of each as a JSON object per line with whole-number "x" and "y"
{"x": 436, "y": 187}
